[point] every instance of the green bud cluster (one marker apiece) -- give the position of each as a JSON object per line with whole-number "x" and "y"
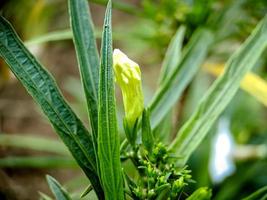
{"x": 158, "y": 174}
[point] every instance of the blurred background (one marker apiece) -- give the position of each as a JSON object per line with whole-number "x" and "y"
{"x": 232, "y": 160}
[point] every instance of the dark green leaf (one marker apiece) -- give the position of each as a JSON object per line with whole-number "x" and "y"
{"x": 41, "y": 86}
{"x": 87, "y": 191}
{"x": 88, "y": 59}
{"x": 147, "y": 135}
{"x": 108, "y": 136}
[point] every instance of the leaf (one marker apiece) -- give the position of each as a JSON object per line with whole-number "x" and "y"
{"x": 202, "y": 193}
{"x": 87, "y": 191}
{"x": 173, "y": 55}
{"x": 34, "y": 143}
{"x": 38, "y": 162}
{"x": 251, "y": 83}
{"x": 120, "y": 5}
{"x": 147, "y": 135}
{"x": 59, "y": 192}
{"x": 260, "y": 194}
{"x": 220, "y": 93}
{"x": 108, "y": 136}
{"x": 49, "y": 37}
{"x": 44, "y": 196}
{"x": 87, "y": 55}
{"x": 41, "y": 86}
{"x": 170, "y": 62}
{"x": 171, "y": 90}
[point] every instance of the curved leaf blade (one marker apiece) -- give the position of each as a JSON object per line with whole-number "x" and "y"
{"x": 59, "y": 192}
{"x": 220, "y": 93}
{"x": 259, "y": 194}
{"x": 173, "y": 55}
{"x": 108, "y": 136}
{"x": 87, "y": 55}
{"x": 42, "y": 87}
{"x": 172, "y": 88}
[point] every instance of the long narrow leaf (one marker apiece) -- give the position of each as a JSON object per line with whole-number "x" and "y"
{"x": 259, "y": 194}
{"x": 88, "y": 59}
{"x": 43, "y": 89}
{"x": 220, "y": 93}
{"x": 38, "y": 162}
{"x": 108, "y": 137}
{"x": 173, "y": 55}
{"x": 170, "y": 62}
{"x": 59, "y": 192}
{"x": 34, "y": 143}
{"x": 171, "y": 90}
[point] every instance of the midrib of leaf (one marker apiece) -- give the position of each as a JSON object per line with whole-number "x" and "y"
{"x": 108, "y": 137}
{"x": 220, "y": 93}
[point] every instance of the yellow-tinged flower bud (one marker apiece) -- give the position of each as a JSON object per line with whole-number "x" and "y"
{"x": 128, "y": 77}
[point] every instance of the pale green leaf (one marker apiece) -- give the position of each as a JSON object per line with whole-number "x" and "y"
{"x": 59, "y": 192}
{"x": 173, "y": 55}
{"x": 220, "y": 93}
{"x": 171, "y": 89}
{"x": 38, "y": 162}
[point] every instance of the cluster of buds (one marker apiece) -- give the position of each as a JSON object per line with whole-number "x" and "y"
{"x": 159, "y": 176}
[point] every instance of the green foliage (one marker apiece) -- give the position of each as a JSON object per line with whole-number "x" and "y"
{"x": 200, "y": 194}
{"x": 220, "y": 93}
{"x": 259, "y": 194}
{"x": 108, "y": 136}
{"x": 87, "y": 55}
{"x": 171, "y": 89}
{"x": 59, "y": 192}
{"x": 160, "y": 171}
{"x": 147, "y": 135}
{"x": 43, "y": 89}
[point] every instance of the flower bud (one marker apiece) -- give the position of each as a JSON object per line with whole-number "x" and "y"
{"x": 128, "y": 77}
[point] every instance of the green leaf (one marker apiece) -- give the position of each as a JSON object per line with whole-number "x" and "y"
{"x": 87, "y": 55}
{"x": 50, "y": 37}
{"x": 42, "y": 87}
{"x": 220, "y": 93}
{"x": 59, "y": 192}
{"x": 173, "y": 55}
{"x": 38, "y": 162}
{"x": 170, "y": 62}
{"x": 171, "y": 89}
{"x": 260, "y": 194}
{"x": 120, "y": 5}
{"x": 108, "y": 136}
{"x": 202, "y": 193}
{"x": 34, "y": 143}
{"x": 147, "y": 135}
{"x": 87, "y": 191}
{"x": 44, "y": 196}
